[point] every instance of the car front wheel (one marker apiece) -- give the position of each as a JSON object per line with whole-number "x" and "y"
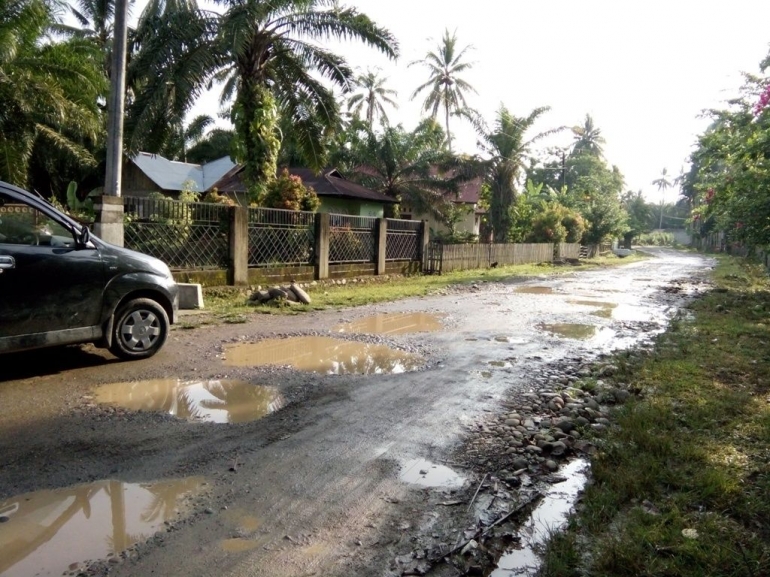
{"x": 140, "y": 329}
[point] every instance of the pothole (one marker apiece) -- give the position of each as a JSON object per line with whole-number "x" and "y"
{"x": 570, "y": 330}
{"x": 393, "y": 324}
{"x": 51, "y": 532}
{"x": 211, "y": 401}
{"x": 238, "y": 545}
{"x": 547, "y": 518}
{"x": 324, "y": 355}
{"x": 534, "y": 290}
{"x": 427, "y": 474}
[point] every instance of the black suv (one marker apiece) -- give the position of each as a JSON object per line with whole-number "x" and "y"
{"x": 61, "y": 285}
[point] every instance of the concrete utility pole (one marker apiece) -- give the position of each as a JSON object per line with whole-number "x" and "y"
{"x": 109, "y": 209}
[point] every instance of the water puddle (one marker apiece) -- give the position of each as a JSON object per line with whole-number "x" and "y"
{"x": 570, "y": 330}
{"x": 549, "y": 516}
{"x": 47, "y": 532}
{"x": 238, "y": 545}
{"x": 393, "y": 324}
{"x": 534, "y": 290}
{"x": 510, "y": 340}
{"x": 209, "y": 401}
{"x": 486, "y": 374}
{"x": 324, "y": 355}
{"x": 501, "y": 364}
{"x": 427, "y": 474}
{"x": 631, "y": 313}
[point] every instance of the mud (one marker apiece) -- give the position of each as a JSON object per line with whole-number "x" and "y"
{"x": 317, "y": 483}
{"x": 323, "y": 355}
{"x": 393, "y": 324}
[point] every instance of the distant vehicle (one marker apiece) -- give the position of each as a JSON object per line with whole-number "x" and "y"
{"x": 60, "y": 285}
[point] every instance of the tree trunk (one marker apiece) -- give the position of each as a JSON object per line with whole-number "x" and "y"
{"x": 448, "y": 134}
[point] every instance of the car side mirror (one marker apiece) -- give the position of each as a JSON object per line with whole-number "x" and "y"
{"x": 83, "y": 236}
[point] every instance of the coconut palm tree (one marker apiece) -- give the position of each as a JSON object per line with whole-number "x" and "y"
{"x": 274, "y": 63}
{"x": 372, "y": 94}
{"x": 48, "y": 90}
{"x": 663, "y": 182}
{"x": 587, "y": 138}
{"x": 445, "y": 87}
{"x": 509, "y": 149}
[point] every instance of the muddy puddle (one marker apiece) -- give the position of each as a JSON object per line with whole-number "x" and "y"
{"x": 393, "y": 324}
{"x": 534, "y": 290}
{"x": 570, "y": 330}
{"x": 426, "y": 474}
{"x": 549, "y": 516}
{"x": 212, "y": 401}
{"x": 51, "y": 532}
{"x": 324, "y": 355}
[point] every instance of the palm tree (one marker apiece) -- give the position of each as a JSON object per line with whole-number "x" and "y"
{"x": 48, "y": 90}
{"x": 410, "y": 167}
{"x": 373, "y": 95}
{"x": 587, "y": 138}
{"x": 509, "y": 149}
{"x": 445, "y": 87}
{"x": 272, "y": 57}
{"x": 663, "y": 183}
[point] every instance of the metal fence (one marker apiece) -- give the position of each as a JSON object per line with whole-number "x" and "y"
{"x": 351, "y": 239}
{"x": 185, "y": 235}
{"x": 280, "y": 237}
{"x": 403, "y": 240}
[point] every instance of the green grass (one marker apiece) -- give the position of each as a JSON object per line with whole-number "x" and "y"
{"x": 692, "y": 453}
{"x": 228, "y": 302}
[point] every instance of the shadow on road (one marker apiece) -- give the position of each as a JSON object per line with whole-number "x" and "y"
{"x": 51, "y": 361}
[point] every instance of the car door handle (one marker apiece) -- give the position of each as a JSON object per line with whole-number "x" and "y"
{"x": 6, "y": 263}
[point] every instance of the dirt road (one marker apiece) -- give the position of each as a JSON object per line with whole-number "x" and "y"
{"x": 316, "y": 486}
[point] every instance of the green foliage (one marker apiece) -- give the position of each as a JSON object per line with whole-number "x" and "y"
{"x": 508, "y": 149}
{"x": 729, "y": 178}
{"x": 288, "y": 193}
{"x": 49, "y": 91}
{"x": 80, "y": 209}
{"x": 411, "y": 167}
{"x": 218, "y": 143}
{"x": 656, "y": 238}
{"x": 214, "y": 197}
{"x": 556, "y": 223}
{"x": 372, "y": 95}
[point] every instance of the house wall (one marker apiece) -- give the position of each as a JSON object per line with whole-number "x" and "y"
{"x": 468, "y": 224}
{"x": 136, "y": 183}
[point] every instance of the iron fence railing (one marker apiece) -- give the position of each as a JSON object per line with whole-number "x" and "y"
{"x": 403, "y": 240}
{"x": 185, "y": 235}
{"x": 351, "y": 238}
{"x": 280, "y": 237}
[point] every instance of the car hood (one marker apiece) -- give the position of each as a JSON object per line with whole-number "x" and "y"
{"x": 128, "y": 261}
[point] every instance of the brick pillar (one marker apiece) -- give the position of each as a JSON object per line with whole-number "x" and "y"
{"x": 322, "y": 233}
{"x": 108, "y": 225}
{"x": 382, "y": 246}
{"x": 238, "y": 269}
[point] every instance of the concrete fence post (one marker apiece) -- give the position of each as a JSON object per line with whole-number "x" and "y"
{"x": 423, "y": 240}
{"x": 322, "y": 237}
{"x": 238, "y": 269}
{"x": 108, "y": 225}
{"x": 381, "y": 247}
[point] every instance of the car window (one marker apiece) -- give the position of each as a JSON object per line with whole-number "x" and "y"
{"x": 23, "y": 224}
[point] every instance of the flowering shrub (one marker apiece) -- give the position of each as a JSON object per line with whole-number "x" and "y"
{"x": 763, "y": 101}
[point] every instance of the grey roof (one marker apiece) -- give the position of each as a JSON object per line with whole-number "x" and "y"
{"x": 171, "y": 175}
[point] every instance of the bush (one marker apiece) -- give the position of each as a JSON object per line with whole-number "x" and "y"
{"x": 288, "y": 193}
{"x": 656, "y": 239}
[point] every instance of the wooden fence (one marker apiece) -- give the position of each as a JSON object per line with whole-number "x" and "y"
{"x": 568, "y": 250}
{"x": 451, "y": 257}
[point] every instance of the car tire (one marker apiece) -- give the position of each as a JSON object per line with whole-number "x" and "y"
{"x": 140, "y": 329}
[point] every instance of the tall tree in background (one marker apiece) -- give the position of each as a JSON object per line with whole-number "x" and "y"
{"x": 48, "y": 91}
{"x": 663, "y": 182}
{"x": 373, "y": 96}
{"x": 587, "y": 138}
{"x": 445, "y": 87}
{"x": 509, "y": 150}
{"x": 272, "y": 61}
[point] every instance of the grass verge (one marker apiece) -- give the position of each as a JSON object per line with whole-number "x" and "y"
{"x": 681, "y": 486}
{"x": 225, "y": 303}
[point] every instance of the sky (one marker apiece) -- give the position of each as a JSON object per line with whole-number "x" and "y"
{"x": 644, "y": 70}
